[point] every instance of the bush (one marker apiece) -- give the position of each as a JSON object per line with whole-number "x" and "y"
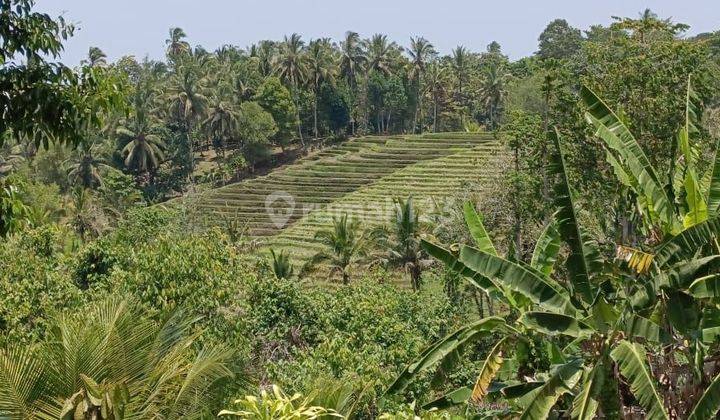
{"x": 33, "y": 284}
{"x": 367, "y": 332}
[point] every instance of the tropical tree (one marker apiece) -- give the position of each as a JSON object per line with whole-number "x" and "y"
{"x": 186, "y": 101}
{"x": 143, "y": 149}
{"x": 291, "y": 68}
{"x": 345, "y": 245}
{"x": 460, "y": 66}
{"x": 96, "y": 58}
{"x": 380, "y": 53}
{"x": 176, "y": 44}
{"x": 436, "y": 79}
{"x": 352, "y": 58}
{"x": 613, "y": 322}
{"x": 321, "y": 69}
{"x": 494, "y": 90}
{"x": 421, "y": 51}
{"x": 400, "y": 242}
{"x": 222, "y": 119}
{"x": 110, "y": 361}
{"x": 86, "y": 165}
{"x": 353, "y": 62}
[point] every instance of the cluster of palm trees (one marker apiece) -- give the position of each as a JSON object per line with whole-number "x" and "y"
{"x": 347, "y": 245}
{"x": 196, "y": 94}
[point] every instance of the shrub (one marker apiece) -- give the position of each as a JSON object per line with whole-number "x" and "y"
{"x": 33, "y": 284}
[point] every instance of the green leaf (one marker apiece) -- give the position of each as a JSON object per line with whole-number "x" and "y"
{"x": 587, "y": 400}
{"x": 637, "y": 326}
{"x": 451, "y": 399}
{"x": 707, "y": 287}
{"x": 491, "y": 366}
{"x": 713, "y": 193}
{"x": 477, "y": 229}
{"x": 697, "y": 208}
{"x": 632, "y": 363}
{"x": 709, "y": 404}
{"x": 540, "y": 401}
{"x": 452, "y": 263}
{"x": 554, "y": 324}
{"x": 444, "y": 347}
{"x": 519, "y": 279}
{"x": 618, "y": 138}
{"x": 546, "y": 250}
{"x": 686, "y": 244}
{"x": 584, "y": 258}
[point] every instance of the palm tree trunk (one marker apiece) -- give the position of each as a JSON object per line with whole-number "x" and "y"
{"x": 420, "y": 111}
{"x": 315, "y": 115}
{"x": 415, "y": 273}
{"x": 435, "y": 116}
{"x": 345, "y": 277}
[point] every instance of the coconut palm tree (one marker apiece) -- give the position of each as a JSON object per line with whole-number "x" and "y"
{"x": 353, "y": 62}
{"x": 85, "y": 166}
{"x": 291, "y": 68}
{"x": 96, "y": 58}
{"x": 494, "y": 90}
{"x": 222, "y": 119}
{"x": 110, "y": 361}
{"x": 352, "y": 58}
{"x": 380, "y": 53}
{"x": 143, "y": 150}
{"x": 321, "y": 69}
{"x": 187, "y": 102}
{"x": 460, "y": 58}
{"x": 264, "y": 54}
{"x": 345, "y": 245}
{"x": 401, "y": 241}
{"x": 421, "y": 51}
{"x": 176, "y": 44}
{"x": 436, "y": 77}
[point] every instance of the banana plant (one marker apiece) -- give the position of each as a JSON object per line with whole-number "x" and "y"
{"x": 600, "y": 323}
{"x": 667, "y": 207}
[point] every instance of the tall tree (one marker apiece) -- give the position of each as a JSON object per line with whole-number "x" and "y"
{"x": 559, "y": 40}
{"x": 292, "y": 69}
{"x": 353, "y": 61}
{"x": 436, "y": 82}
{"x": 421, "y": 51}
{"x": 460, "y": 65}
{"x": 321, "y": 69}
{"x": 85, "y": 166}
{"x": 494, "y": 90}
{"x": 176, "y": 44}
{"x": 96, "y": 58}
{"x": 143, "y": 150}
{"x": 380, "y": 53}
{"x": 187, "y": 102}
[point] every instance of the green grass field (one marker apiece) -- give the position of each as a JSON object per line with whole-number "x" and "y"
{"x": 284, "y": 209}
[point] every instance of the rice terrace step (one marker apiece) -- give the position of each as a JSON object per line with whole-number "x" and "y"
{"x": 360, "y": 177}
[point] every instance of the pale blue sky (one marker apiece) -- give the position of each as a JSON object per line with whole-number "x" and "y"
{"x": 140, "y": 27}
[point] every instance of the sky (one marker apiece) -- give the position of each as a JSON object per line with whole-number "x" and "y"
{"x": 140, "y": 27}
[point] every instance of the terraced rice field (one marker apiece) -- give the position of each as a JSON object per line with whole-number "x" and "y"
{"x": 360, "y": 177}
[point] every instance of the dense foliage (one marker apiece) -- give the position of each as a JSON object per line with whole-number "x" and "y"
{"x": 583, "y": 282}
